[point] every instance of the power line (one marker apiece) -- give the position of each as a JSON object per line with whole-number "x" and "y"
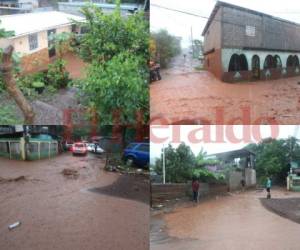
{"x": 220, "y": 21}
{"x": 180, "y": 11}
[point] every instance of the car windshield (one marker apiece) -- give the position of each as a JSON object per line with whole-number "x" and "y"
{"x": 79, "y": 145}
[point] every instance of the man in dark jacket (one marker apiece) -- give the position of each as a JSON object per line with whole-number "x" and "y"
{"x": 195, "y": 188}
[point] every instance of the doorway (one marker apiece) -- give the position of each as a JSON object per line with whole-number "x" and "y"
{"x": 51, "y": 48}
{"x": 255, "y": 67}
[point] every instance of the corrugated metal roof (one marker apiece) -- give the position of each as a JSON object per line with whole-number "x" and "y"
{"x": 27, "y": 23}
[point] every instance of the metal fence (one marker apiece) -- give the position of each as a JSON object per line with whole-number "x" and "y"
{"x": 36, "y": 149}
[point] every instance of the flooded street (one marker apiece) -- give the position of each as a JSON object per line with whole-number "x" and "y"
{"x": 97, "y": 210}
{"x": 188, "y": 97}
{"x": 231, "y": 222}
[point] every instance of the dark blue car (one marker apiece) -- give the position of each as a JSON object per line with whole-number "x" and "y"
{"x": 137, "y": 154}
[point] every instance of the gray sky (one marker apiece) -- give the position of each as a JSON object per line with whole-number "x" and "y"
{"x": 180, "y": 24}
{"x": 211, "y": 148}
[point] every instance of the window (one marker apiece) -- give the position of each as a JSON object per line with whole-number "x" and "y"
{"x": 33, "y": 41}
{"x": 250, "y": 31}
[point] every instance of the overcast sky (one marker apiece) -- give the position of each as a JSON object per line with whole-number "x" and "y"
{"x": 211, "y": 148}
{"x": 180, "y": 24}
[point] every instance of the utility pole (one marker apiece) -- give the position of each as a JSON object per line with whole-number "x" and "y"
{"x": 164, "y": 164}
{"x": 192, "y": 40}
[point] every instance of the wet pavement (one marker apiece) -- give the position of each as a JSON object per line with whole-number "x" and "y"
{"x": 185, "y": 96}
{"x": 63, "y": 213}
{"x": 234, "y": 222}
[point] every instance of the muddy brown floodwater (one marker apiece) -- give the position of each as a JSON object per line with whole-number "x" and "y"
{"x": 232, "y": 222}
{"x": 192, "y": 98}
{"x": 97, "y": 210}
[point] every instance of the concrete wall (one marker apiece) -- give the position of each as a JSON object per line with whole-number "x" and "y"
{"x": 234, "y": 180}
{"x": 228, "y": 52}
{"x": 235, "y": 177}
{"x": 21, "y": 44}
{"x": 270, "y": 33}
{"x": 213, "y": 63}
{"x": 212, "y": 39}
{"x": 160, "y": 192}
{"x": 265, "y": 74}
{"x": 250, "y": 177}
{"x": 33, "y": 60}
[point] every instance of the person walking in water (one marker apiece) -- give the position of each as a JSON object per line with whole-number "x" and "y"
{"x": 268, "y": 186}
{"x": 195, "y": 188}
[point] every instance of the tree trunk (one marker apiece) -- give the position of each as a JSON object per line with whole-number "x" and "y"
{"x": 12, "y": 88}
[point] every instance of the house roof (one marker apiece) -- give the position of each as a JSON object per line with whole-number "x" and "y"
{"x": 223, "y": 4}
{"x": 129, "y": 7}
{"x": 234, "y": 154}
{"x": 23, "y": 24}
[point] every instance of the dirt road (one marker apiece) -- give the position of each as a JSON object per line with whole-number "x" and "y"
{"x": 231, "y": 222}
{"x": 97, "y": 210}
{"x": 184, "y": 96}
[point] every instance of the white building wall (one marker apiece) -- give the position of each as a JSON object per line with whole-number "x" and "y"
{"x": 21, "y": 44}
{"x": 227, "y": 53}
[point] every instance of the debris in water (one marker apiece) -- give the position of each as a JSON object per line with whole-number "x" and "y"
{"x": 14, "y": 225}
{"x": 70, "y": 172}
{"x": 19, "y": 178}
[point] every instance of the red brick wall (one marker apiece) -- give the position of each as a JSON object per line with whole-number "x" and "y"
{"x": 35, "y": 62}
{"x": 213, "y": 63}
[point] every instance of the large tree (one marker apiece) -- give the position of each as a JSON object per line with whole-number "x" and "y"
{"x": 273, "y": 157}
{"x": 179, "y": 163}
{"x": 167, "y": 47}
{"x": 116, "y": 48}
{"x": 8, "y": 79}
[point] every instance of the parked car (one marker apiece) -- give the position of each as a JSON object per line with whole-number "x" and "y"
{"x": 95, "y": 148}
{"x": 137, "y": 154}
{"x": 68, "y": 145}
{"x": 79, "y": 148}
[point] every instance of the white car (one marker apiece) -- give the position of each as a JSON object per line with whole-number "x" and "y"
{"x": 91, "y": 147}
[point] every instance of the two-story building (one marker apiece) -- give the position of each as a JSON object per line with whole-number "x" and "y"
{"x": 33, "y": 33}
{"x": 243, "y": 44}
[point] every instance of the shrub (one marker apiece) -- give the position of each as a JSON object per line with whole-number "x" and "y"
{"x": 38, "y": 84}
{"x": 205, "y": 175}
{"x": 57, "y": 75}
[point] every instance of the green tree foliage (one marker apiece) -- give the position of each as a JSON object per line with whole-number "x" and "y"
{"x": 4, "y": 33}
{"x": 57, "y": 75}
{"x": 110, "y": 34}
{"x": 117, "y": 49}
{"x": 197, "y": 48}
{"x": 128, "y": 1}
{"x": 118, "y": 85}
{"x": 182, "y": 165}
{"x": 273, "y": 157}
{"x": 61, "y": 42}
{"x": 167, "y": 47}
{"x": 179, "y": 163}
